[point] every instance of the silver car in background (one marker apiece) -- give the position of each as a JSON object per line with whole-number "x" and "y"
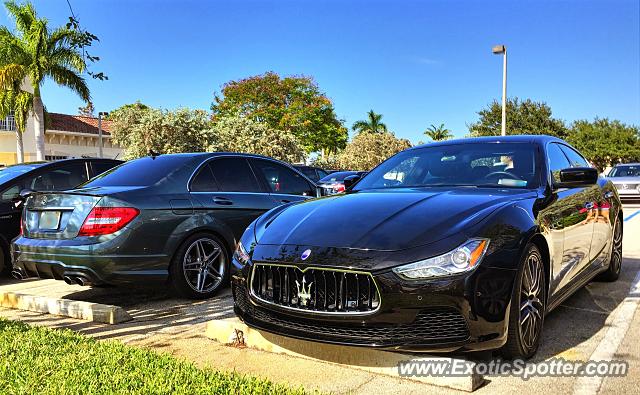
{"x": 626, "y": 178}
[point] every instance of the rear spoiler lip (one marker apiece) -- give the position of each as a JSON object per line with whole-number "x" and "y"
{"x": 95, "y": 191}
{"x": 69, "y": 192}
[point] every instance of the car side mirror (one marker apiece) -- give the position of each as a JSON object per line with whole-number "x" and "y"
{"x": 350, "y": 181}
{"x": 577, "y": 177}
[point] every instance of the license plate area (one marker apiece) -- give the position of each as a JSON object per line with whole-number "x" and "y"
{"x": 49, "y": 220}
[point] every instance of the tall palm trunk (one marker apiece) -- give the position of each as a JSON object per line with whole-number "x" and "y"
{"x": 38, "y": 126}
{"x": 19, "y": 146}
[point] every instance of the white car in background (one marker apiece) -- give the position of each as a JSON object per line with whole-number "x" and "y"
{"x": 626, "y": 178}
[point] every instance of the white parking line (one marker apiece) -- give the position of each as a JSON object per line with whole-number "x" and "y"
{"x": 609, "y": 344}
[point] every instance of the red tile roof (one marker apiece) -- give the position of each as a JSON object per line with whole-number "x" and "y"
{"x": 76, "y": 123}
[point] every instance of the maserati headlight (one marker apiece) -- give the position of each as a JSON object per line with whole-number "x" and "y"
{"x": 245, "y": 245}
{"x": 462, "y": 259}
{"x": 241, "y": 254}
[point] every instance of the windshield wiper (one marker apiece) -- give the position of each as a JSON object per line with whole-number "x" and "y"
{"x": 501, "y": 186}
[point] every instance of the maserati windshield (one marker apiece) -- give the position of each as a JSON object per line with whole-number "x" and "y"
{"x": 499, "y": 165}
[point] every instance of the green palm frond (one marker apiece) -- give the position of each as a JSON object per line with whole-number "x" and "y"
{"x": 438, "y": 133}
{"x": 360, "y": 126}
{"x": 10, "y": 75}
{"x": 18, "y": 102}
{"x": 42, "y": 53}
{"x": 69, "y": 58}
{"x": 22, "y": 107}
{"x": 63, "y": 36}
{"x": 371, "y": 125}
{"x": 12, "y": 49}
{"x": 70, "y": 79}
{"x": 23, "y": 14}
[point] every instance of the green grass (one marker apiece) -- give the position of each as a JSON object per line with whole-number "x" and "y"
{"x": 35, "y": 360}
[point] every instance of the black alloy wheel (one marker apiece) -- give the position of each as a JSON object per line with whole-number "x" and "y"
{"x": 528, "y": 304}
{"x": 615, "y": 263}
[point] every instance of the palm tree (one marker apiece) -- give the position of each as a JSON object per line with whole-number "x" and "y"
{"x": 371, "y": 125}
{"x": 438, "y": 133}
{"x": 30, "y": 55}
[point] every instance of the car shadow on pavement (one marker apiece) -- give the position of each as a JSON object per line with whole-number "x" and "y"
{"x": 153, "y": 308}
{"x": 583, "y": 315}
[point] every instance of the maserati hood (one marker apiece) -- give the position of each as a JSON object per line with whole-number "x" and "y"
{"x": 387, "y": 220}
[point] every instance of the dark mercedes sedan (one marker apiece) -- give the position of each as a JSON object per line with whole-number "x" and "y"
{"x": 459, "y": 245}
{"x": 164, "y": 218}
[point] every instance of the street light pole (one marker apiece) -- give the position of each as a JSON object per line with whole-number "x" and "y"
{"x": 502, "y": 49}
{"x": 100, "y": 114}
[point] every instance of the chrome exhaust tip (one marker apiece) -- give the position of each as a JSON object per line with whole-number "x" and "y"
{"x": 17, "y": 274}
{"x": 69, "y": 280}
{"x": 82, "y": 281}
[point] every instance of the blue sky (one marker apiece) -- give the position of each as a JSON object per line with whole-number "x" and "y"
{"x": 416, "y": 62}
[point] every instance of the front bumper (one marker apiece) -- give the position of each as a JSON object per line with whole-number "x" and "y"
{"x": 97, "y": 263}
{"x": 628, "y": 193}
{"x": 466, "y": 313}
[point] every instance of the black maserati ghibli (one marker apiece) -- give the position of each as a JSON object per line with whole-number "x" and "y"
{"x": 458, "y": 245}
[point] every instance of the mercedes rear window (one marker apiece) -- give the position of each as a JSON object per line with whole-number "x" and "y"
{"x": 140, "y": 172}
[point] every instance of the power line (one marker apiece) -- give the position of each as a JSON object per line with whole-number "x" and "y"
{"x": 71, "y": 10}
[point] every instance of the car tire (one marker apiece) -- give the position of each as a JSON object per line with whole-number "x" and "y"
{"x": 615, "y": 263}
{"x": 200, "y": 267}
{"x": 528, "y": 304}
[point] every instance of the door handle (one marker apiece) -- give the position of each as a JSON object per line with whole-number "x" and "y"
{"x": 222, "y": 201}
{"x": 589, "y": 205}
{"x": 285, "y": 201}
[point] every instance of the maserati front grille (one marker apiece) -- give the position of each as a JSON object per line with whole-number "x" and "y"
{"x": 315, "y": 289}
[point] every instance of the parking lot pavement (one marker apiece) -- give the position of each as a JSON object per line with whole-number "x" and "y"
{"x": 153, "y": 309}
{"x": 600, "y": 319}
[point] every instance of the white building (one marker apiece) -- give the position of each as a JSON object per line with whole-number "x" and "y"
{"x": 66, "y": 136}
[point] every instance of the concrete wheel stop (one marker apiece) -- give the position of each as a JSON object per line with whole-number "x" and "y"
{"x": 234, "y": 332}
{"x": 95, "y": 312}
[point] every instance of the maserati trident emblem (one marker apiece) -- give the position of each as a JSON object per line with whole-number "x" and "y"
{"x": 305, "y": 254}
{"x": 304, "y": 292}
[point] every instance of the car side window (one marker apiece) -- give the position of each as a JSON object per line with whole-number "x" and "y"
{"x": 309, "y": 172}
{"x": 575, "y": 159}
{"x": 234, "y": 175}
{"x": 322, "y": 174}
{"x": 281, "y": 179}
{"x": 101, "y": 167}
{"x": 557, "y": 161}
{"x": 10, "y": 193}
{"x": 61, "y": 178}
{"x": 204, "y": 181}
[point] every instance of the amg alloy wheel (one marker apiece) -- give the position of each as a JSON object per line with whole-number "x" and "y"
{"x": 615, "y": 264}
{"x": 528, "y": 305}
{"x": 200, "y": 266}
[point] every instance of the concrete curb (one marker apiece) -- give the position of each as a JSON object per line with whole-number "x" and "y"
{"x": 234, "y": 331}
{"x": 96, "y": 312}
